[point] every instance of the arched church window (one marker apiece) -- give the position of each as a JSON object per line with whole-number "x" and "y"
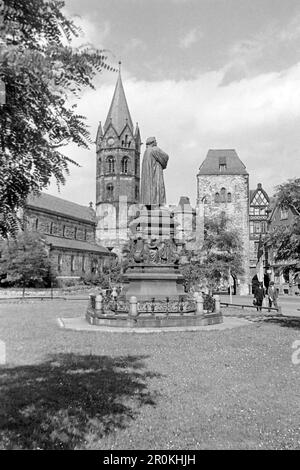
{"x": 229, "y": 199}
{"x": 110, "y": 164}
{"x": 223, "y": 195}
{"x": 125, "y": 165}
{"x": 109, "y": 191}
{"x": 217, "y": 197}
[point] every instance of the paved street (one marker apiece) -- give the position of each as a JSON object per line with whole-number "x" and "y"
{"x": 290, "y": 304}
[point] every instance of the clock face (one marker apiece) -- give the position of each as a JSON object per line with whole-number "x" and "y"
{"x": 110, "y": 141}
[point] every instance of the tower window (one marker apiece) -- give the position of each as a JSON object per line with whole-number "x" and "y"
{"x": 223, "y": 195}
{"x": 110, "y": 191}
{"x": 110, "y": 164}
{"x": 217, "y": 197}
{"x": 229, "y": 199}
{"x": 125, "y": 165}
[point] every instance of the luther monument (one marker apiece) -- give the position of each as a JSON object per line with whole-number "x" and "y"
{"x": 153, "y": 193}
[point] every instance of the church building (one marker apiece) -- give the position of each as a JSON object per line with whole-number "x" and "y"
{"x": 118, "y": 146}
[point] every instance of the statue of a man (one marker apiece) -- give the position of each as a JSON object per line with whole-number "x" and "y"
{"x": 153, "y": 191}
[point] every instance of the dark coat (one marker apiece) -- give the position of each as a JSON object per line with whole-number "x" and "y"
{"x": 259, "y": 293}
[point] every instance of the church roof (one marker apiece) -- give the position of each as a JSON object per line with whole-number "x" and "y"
{"x": 69, "y": 244}
{"x": 118, "y": 113}
{"x": 228, "y": 159}
{"x": 57, "y": 205}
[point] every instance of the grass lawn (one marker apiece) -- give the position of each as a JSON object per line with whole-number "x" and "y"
{"x": 63, "y": 389}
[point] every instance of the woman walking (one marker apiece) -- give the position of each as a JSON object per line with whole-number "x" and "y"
{"x": 259, "y": 295}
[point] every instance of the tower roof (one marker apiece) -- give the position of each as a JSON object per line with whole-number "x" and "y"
{"x": 118, "y": 112}
{"x": 222, "y": 161}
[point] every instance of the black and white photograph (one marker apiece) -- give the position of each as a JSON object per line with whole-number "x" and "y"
{"x": 149, "y": 228}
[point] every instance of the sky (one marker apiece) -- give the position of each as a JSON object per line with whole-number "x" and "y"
{"x": 197, "y": 74}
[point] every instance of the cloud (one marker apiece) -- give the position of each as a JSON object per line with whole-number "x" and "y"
{"x": 274, "y": 48}
{"x": 189, "y": 38}
{"x": 91, "y": 33}
{"x": 258, "y": 116}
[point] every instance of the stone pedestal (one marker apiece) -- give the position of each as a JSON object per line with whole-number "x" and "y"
{"x": 147, "y": 281}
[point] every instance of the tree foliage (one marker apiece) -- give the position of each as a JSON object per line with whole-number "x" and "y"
{"x": 25, "y": 259}
{"x": 43, "y": 75}
{"x": 220, "y": 256}
{"x": 285, "y": 240}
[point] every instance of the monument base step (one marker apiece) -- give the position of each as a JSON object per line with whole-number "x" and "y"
{"x": 151, "y": 321}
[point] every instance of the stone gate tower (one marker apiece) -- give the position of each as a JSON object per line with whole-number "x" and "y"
{"x": 118, "y": 171}
{"x": 223, "y": 186}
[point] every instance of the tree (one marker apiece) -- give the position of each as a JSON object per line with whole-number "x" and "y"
{"x": 285, "y": 240}
{"x": 25, "y": 259}
{"x": 219, "y": 257}
{"x": 43, "y": 77}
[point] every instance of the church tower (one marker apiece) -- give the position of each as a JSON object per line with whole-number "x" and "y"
{"x": 118, "y": 171}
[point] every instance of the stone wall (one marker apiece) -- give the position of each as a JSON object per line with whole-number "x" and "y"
{"x": 71, "y": 263}
{"x": 234, "y": 201}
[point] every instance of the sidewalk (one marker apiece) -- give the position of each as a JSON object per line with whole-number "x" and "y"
{"x": 290, "y": 304}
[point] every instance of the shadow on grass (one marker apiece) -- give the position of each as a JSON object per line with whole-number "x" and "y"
{"x": 70, "y": 400}
{"x": 287, "y": 322}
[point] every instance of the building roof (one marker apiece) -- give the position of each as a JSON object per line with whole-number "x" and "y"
{"x": 118, "y": 113}
{"x": 70, "y": 244}
{"x": 253, "y": 193}
{"x": 48, "y": 203}
{"x": 217, "y": 157}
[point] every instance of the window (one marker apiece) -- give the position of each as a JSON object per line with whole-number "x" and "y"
{"x": 85, "y": 234}
{"x": 36, "y": 224}
{"x": 83, "y": 264}
{"x": 223, "y": 195}
{"x": 251, "y": 227}
{"x": 136, "y": 192}
{"x": 257, "y": 227}
{"x": 284, "y": 213}
{"x": 110, "y": 164}
{"x": 75, "y": 233}
{"x": 95, "y": 266}
{"x": 217, "y": 197}
{"x": 110, "y": 191}
{"x": 59, "y": 262}
{"x": 51, "y": 228}
{"x": 222, "y": 164}
{"x": 72, "y": 263}
{"x": 124, "y": 165}
{"x": 229, "y": 199}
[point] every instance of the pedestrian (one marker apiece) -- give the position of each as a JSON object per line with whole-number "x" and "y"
{"x": 259, "y": 295}
{"x": 272, "y": 295}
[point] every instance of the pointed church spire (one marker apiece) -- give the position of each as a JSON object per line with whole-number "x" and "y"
{"x": 118, "y": 113}
{"x": 99, "y": 136}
